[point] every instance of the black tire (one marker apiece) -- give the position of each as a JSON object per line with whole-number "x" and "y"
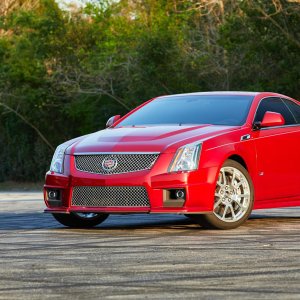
{"x": 214, "y": 220}
{"x": 193, "y": 217}
{"x": 74, "y": 220}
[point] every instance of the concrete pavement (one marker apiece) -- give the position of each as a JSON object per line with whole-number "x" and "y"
{"x": 146, "y": 256}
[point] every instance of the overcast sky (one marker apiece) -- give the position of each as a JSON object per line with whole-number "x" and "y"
{"x": 77, "y": 2}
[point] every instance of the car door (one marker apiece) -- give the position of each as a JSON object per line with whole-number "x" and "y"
{"x": 278, "y": 153}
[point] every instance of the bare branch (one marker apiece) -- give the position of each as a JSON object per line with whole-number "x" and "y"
{"x": 28, "y": 123}
{"x": 284, "y": 32}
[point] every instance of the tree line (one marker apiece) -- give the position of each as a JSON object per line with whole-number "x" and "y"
{"x": 65, "y": 71}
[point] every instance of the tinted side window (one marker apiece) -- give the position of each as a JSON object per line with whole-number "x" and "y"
{"x": 294, "y": 108}
{"x": 275, "y": 105}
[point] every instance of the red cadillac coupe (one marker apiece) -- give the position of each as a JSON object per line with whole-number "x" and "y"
{"x": 210, "y": 156}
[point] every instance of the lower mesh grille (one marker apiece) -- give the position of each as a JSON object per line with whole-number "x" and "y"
{"x": 102, "y": 196}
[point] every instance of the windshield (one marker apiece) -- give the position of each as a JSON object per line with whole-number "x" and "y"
{"x": 192, "y": 109}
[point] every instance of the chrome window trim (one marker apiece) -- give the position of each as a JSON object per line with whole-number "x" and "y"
{"x": 292, "y": 100}
{"x": 281, "y": 126}
{"x": 253, "y": 120}
{"x": 284, "y": 99}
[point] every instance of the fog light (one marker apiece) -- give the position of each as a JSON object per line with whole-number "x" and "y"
{"x": 179, "y": 194}
{"x": 174, "y": 197}
{"x": 54, "y": 198}
{"x": 53, "y": 195}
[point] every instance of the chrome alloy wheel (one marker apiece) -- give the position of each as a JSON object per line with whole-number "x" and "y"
{"x": 86, "y": 215}
{"x": 232, "y": 195}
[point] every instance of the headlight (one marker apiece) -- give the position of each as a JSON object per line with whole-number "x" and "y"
{"x": 186, "y": 158}
{"x": 57, "y": 162}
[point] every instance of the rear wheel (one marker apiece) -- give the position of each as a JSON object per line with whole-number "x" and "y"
{"x": 80, "y": 220}
{"x": 233, "y": 200}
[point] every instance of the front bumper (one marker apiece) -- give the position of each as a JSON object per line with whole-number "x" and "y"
{"x": 198, "y": 187}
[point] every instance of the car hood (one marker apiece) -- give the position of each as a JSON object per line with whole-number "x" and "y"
{"x": 145, "y": 139}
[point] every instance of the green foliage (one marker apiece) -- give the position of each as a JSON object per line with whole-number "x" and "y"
{"x": 264, "y": 49}
{"x": 64, "y": 73}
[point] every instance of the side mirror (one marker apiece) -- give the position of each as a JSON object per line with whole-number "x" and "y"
{"x": 112, "y": 120}
{"x": 270, "y": 119}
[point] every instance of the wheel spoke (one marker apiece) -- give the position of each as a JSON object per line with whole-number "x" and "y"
{"x": 217, "y": 203}
{"x": 232, "y": 212}
{"x": 233, "y": 178}
{"x": 238, "y": 198}
{"x": 237, "y": 201}
{"x": 242, "y": 207}
{"x": 223, "y": 178}
{"x": 224, "y": 213}
{"x": 243, "y": 195}
{"x": 237, "y": 185}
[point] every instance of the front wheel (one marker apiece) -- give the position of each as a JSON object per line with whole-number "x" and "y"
{"x": 233, "y": 199}
{"x": 80, "y": 220}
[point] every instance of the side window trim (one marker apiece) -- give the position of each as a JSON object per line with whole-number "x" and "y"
{"x": 281, "y": 126}
{"x": 283, "y": 100}
{"x": 258, "y": 105}
{"x": 275, "y": 127}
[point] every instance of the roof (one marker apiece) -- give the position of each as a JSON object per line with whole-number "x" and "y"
{"x": 213, "y": 93}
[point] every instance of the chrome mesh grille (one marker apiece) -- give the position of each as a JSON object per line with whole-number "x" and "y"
{"x": 103, "y": 196}
{"x": 124, "y": 162}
